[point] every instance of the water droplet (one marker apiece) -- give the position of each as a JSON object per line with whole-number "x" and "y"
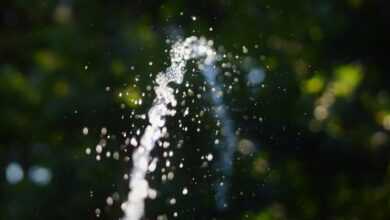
{"x": 244, "y": 50}
{"x": 133, "y": 141}
{"x": 99, "y": 148}
{"x": 109, "y": 201}
{"x": 14, "y": 173}
{"x": 85, "y": 131}
{"x": 97, "y": 213}
{"x": 103, "y": 131}
{"x": 184, "y": 191}
{"x": 172, "y": 201}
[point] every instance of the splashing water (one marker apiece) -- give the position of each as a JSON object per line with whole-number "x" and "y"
{"x": 163, "y": 105}
{"x": 227, "y": 150}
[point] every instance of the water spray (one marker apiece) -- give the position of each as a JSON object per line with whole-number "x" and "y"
{"x": 163, "y": 106}
{"x": 227, "y": 147}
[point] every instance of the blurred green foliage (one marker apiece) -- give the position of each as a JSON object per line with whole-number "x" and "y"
{"x": 320, "y": 121}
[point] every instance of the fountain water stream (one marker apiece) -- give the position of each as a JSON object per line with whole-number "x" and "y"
{"x": 163, "y": 106}
{"x": 227, "y": 147}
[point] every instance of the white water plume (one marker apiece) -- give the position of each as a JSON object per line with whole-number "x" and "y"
{"x": 228, "y": 145}
{"x": 163, "y": 105}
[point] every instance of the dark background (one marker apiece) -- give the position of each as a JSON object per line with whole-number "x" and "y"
{"x": 318, "y": 124}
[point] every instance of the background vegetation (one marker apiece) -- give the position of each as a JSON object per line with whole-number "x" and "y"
{"x": 318, "y": 124}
